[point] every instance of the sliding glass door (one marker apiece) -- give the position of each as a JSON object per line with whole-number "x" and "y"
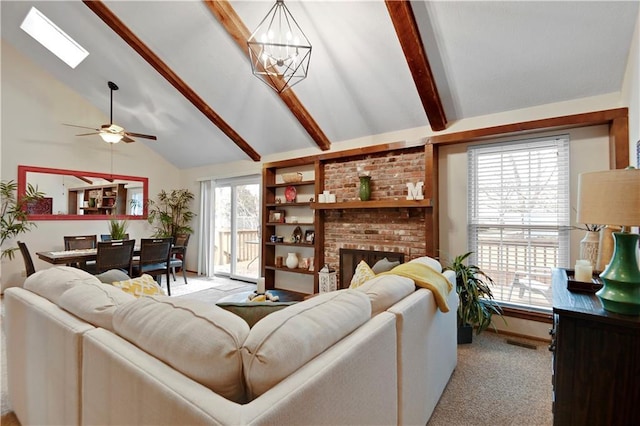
{"x": 237, "y": 228}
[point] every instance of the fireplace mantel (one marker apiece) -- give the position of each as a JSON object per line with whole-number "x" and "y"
{"x": 374, "y": 204}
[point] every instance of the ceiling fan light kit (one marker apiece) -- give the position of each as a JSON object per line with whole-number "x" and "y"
{"x": 278, "y": 49}
{"x": 112, "y": 133}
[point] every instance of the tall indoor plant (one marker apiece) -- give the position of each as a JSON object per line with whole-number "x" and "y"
{"x": 171, "y": 214}
{"x": 15, "y": 220}
{"x": 476, "y": 306}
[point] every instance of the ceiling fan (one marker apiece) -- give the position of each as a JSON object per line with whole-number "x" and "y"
{"x": 112, "y": 133}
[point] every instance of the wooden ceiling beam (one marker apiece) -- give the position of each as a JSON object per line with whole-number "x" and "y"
{"x": 408, "y": 33}
{"x": 238, "y": 31}
{"x": 109, "y": 18}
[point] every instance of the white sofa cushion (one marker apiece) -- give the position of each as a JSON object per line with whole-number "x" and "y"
{"x": 94, "y": 302}
{"x": 200, "y": 340}
{"x": 429, "y": 261}
{"x": 386, "y": 290}
{"x": 51, "y": 283}
{"x": 283, "y": 341}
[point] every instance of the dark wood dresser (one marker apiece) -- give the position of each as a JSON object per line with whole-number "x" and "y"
{"x": 596, "y": 360}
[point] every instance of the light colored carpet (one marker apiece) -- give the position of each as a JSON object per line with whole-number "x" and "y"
{"x": 495, "y": 383}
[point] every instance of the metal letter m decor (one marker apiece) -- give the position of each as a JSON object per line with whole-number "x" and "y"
{"x": 414, "y": 191}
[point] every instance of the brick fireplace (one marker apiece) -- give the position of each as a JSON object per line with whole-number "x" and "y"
{"x": 395, "y": 229}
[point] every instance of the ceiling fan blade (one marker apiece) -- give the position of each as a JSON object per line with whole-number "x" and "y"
{"x": 140, "y": 135}
{"x": 82, "y": 127}
{"x": 127, "y": 139}
{"x": 87, "y": 134}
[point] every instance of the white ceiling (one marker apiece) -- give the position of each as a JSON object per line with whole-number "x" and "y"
{"x": 487, "y": 57}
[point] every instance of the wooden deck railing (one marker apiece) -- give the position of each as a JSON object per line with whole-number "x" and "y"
{"x": 248, "y": 246}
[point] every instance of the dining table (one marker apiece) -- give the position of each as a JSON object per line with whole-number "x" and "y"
{"x": 64, "y": 257}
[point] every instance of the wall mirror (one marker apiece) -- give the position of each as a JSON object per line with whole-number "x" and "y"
{"x": 79, "y": 195}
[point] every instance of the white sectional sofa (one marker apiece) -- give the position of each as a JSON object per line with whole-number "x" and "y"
{"x": 83, "y": 352}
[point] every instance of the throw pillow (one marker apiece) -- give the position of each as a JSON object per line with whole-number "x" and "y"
{"x": 363, "y": 274}
{"x": 144, "y": 285}
{"x": 384, "y": 265}
{"x": 108, "y": 277}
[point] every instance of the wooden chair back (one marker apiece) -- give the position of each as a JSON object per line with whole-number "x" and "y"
{"x": 77, "y": 242}
{"x": 115, "y": 255}
{"x": 155, "y": 255}
{"x": 155, "y": 251}
{"x": 26, "y": 256}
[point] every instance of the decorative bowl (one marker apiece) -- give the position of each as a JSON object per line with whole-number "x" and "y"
{"x": 291, "y": 177}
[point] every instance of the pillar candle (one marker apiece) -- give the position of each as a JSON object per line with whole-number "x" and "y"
{"x": 260, "y": 285}
{"x": 583, "y": 271}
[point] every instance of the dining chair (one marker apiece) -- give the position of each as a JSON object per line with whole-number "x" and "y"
{"x": 114, "y": 255}
{"x": 28, "y": 262}
{"x": 79, "y": 242}
{"x": 155, "y": 254}
{"x": 178, "y": 255}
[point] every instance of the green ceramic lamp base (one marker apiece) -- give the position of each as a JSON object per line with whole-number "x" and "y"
{"x": 621, "y": 290}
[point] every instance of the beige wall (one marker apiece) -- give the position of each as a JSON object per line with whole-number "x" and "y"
{"x": 631, "y": 93}
{"x": 33, "y": 107}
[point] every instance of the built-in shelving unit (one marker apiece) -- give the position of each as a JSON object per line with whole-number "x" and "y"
{"x": 99, "y": 200}
{"x": 274, "y": 199}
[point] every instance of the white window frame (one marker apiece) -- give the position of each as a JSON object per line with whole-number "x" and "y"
{"x": 519, "y": 215}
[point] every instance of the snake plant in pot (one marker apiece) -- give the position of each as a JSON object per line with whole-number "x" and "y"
{"x": 477, "y": 305}
{"x": 118, "y": 229}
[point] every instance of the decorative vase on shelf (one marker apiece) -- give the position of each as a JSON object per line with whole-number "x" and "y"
{"x": 365, "y": 188}
{"x": 589, "y": 247}
{"x": 292, "y": 261}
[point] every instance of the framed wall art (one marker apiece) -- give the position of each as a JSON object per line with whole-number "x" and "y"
{"x": 276, "y": 216}
{"x": 309, "y": 236}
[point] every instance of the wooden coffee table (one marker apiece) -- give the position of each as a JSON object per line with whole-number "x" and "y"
{"x": 283, "y": 295}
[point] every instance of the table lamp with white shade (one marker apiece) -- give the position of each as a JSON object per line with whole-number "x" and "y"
{"x": 612, "y": 197}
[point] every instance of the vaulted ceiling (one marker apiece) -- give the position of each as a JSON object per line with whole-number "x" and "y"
{"x": 376, "y": 67}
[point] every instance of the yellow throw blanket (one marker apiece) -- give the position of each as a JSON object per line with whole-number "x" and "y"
{"x": 425, "y": 277}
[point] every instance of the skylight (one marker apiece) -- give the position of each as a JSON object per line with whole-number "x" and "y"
{"x": 53, "y": 38}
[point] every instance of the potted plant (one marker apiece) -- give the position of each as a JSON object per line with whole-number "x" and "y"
{"x": 476, "y": 300}
{"x": 171, "y": 214}
{"x": 14, "y": 213}
{"x": 118, "y": 229}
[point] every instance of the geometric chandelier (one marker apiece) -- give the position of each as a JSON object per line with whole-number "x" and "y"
{"x": 278, "y": 49}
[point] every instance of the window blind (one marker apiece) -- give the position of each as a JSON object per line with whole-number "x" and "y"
{"x": 518, "y": 215}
